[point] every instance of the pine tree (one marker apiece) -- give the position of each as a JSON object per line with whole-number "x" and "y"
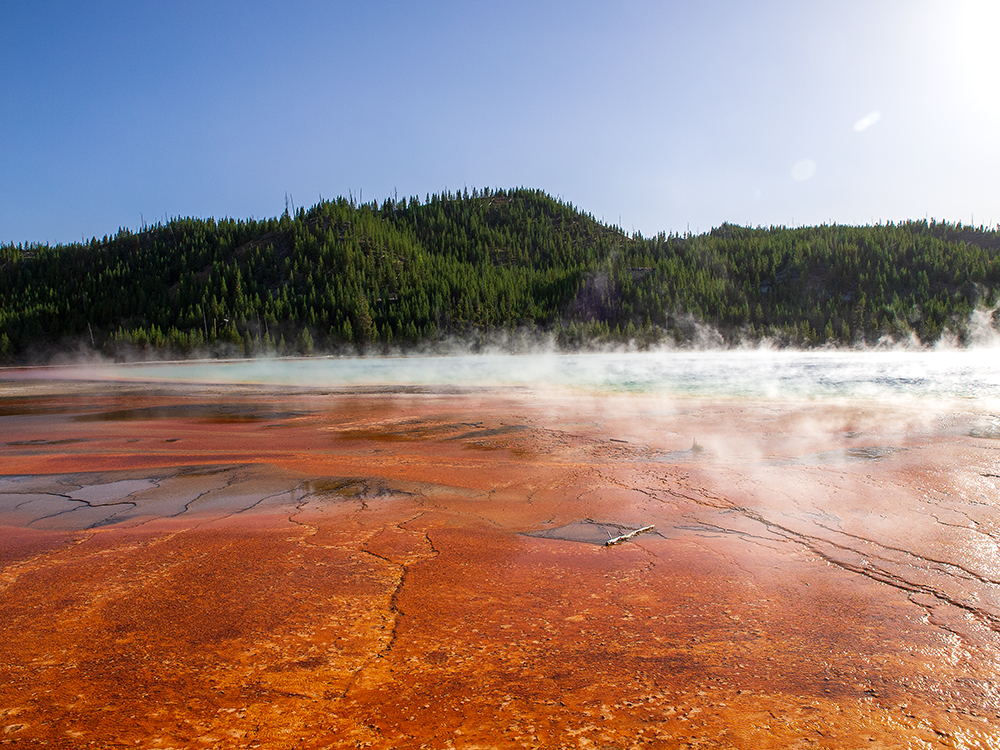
{"x": 304, "y": 343}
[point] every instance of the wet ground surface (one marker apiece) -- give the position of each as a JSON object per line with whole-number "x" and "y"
{"x": 280, "y": 568}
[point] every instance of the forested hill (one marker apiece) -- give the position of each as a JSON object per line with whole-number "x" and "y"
{"x": 477, "y": 265}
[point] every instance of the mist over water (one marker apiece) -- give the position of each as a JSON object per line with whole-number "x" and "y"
{"x": 962, "y": 374}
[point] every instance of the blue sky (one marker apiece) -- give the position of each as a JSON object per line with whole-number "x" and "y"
{"x": 658, "y": 115}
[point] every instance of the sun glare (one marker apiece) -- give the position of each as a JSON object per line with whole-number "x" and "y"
{"x": 966, "y": 36}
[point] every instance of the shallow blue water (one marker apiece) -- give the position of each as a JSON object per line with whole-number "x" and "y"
{"x": 966, "y": 374}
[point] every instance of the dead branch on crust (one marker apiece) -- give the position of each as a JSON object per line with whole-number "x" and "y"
{"x": 623, "y": 537}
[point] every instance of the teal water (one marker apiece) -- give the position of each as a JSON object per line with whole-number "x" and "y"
{"x": 964, "y": 374}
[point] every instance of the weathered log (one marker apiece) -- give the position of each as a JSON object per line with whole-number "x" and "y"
{"x": 623, "y": 537}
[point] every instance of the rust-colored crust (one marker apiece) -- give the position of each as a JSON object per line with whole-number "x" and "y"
{"x": 244, "y": 567}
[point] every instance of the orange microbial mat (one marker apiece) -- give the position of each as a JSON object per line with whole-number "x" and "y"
{"x": 187, "y": 566}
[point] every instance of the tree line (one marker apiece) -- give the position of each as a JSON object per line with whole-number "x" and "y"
{"x": 348, "y": 276}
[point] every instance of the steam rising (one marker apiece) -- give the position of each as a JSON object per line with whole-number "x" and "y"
{"x": 759, "y": 373}
{"x": 963, "y": 364}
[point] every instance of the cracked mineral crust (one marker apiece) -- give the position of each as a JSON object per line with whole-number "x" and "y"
{"x": 201, "y": 566}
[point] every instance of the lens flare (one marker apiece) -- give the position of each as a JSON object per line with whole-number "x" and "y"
{"x": 803, "y": 169}
{"x": 867, "y": 121}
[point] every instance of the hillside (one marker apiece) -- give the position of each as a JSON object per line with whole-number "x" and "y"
{"x": 347, "y": 277}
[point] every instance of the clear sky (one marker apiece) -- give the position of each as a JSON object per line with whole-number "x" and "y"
{"x": 662, "y": 116}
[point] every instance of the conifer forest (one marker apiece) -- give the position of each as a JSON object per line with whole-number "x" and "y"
{"x": 483, "y": 266}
